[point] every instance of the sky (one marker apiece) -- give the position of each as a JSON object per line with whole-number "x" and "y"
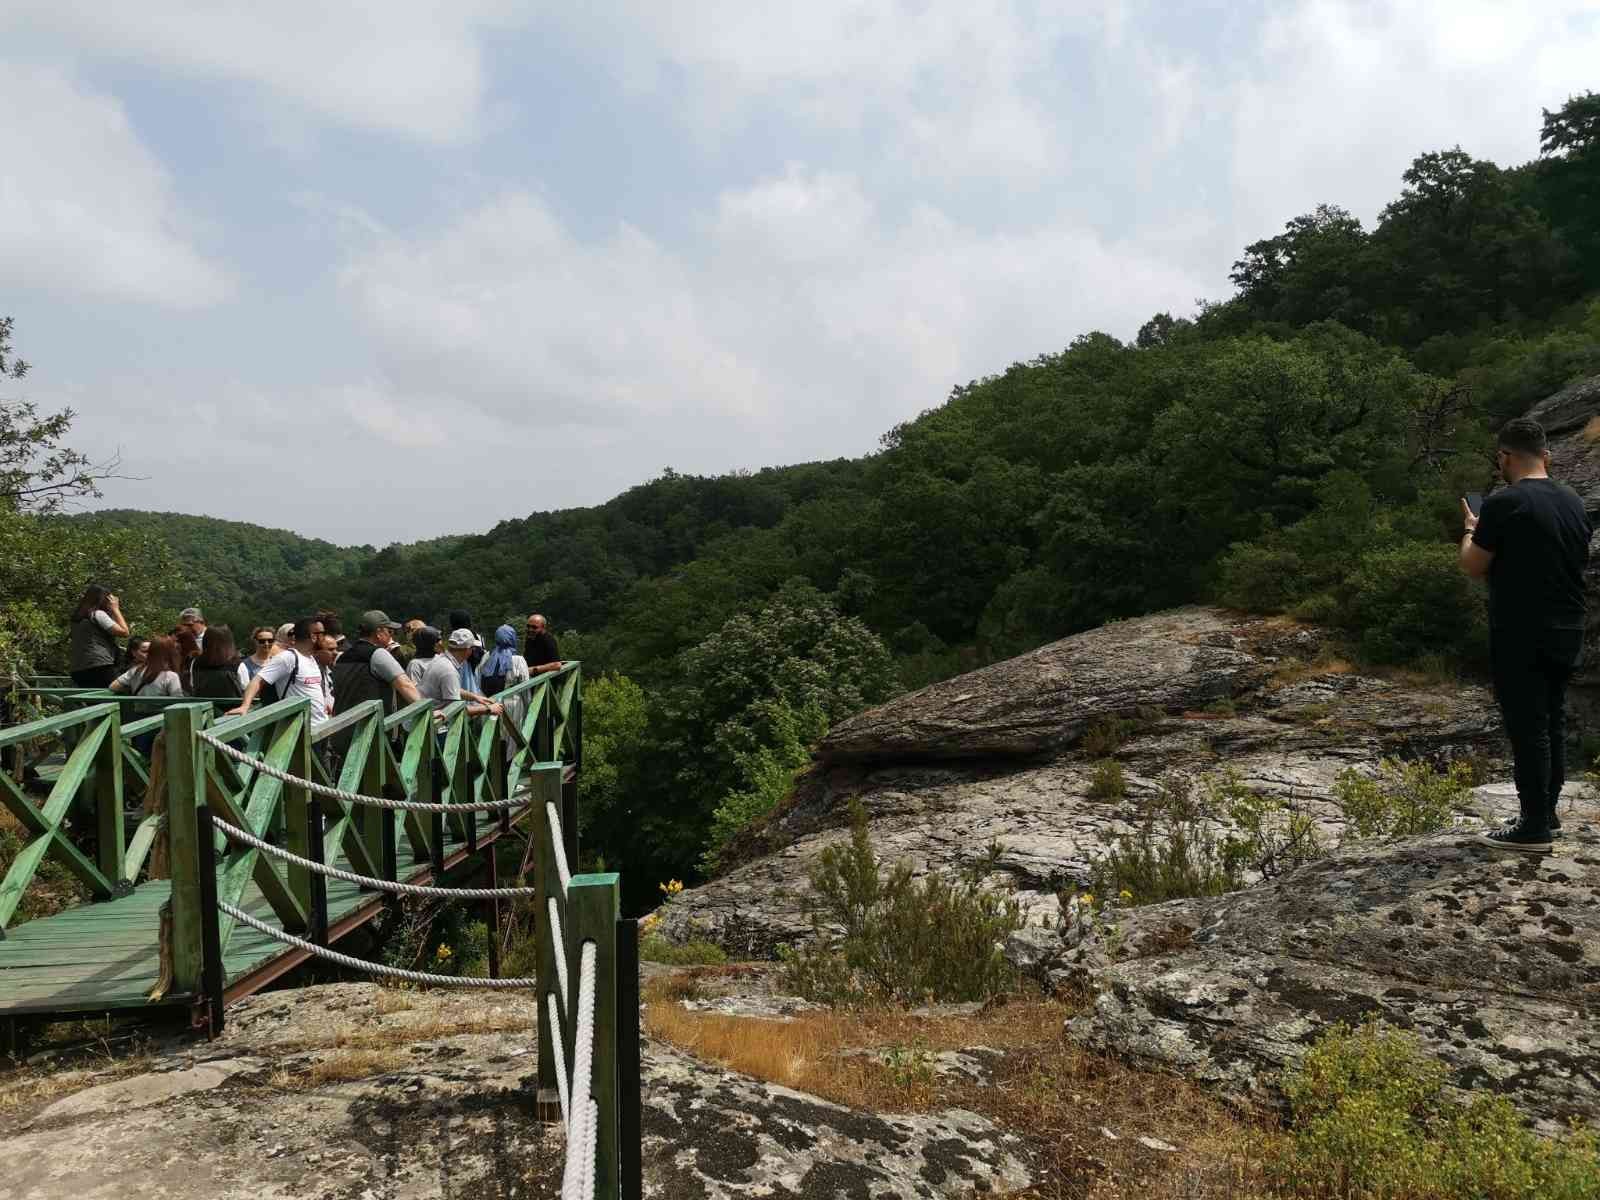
{"x": 382, "y": 271}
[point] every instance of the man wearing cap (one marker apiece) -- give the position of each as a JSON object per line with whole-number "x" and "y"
{"x": 367, "y": 671}
{"x": 461, "y": 645}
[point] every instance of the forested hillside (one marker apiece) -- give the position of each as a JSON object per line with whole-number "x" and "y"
{"x": 226, "y": 566}
{"x": 1299, "y": 446}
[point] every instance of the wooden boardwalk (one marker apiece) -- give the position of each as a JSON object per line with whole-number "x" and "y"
{"x": 105, "y": 956}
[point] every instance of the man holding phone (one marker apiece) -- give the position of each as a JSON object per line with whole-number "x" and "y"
{"x": 1530, "y": 539}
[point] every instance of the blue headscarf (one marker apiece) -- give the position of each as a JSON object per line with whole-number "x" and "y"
{"x": 499, "y": 660}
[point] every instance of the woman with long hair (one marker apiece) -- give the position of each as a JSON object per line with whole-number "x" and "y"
{"x": 217, "y": 672}
{"x": 159, "y": 674}
{"x": 266, "y": 645}
{"x": 96, "y": 625}
{"x": 138, "y": 649}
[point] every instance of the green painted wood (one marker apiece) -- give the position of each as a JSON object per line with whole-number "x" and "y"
{"x": 55, "y": 725}
{"x": 105, "y": 785}
{"x": 185, "y": 772}
{"x": 593, "y": 902}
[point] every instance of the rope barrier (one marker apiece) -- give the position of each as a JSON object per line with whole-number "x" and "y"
{"x": 558, "y": 1054}
{"x": 580, "y": 1153}
{"x": 559, "y": 843}
{"x": 382, "y": 885}
{"x": 558, "y": 942}
{"x": 333, "y": 793}
{"x": 344, "y": 960}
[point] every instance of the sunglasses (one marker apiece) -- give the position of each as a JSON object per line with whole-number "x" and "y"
{"x": 265, "y": 641}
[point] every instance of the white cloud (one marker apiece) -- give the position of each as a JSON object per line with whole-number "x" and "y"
{"x": 1339, "y": 96}
{"x": 413, "y": 67}
{"x": 805, "y": 321}
{"x": 85, "y": 208}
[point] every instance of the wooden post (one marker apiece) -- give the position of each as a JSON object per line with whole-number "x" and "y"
{"x": 185, "y": 779}
{"x": 373, "y": 775}
{"x": 630, "y": 1133}
{"x": 108, "y": 804}
{"x": 212, "y": 978}
{"x": 592, "y": 902}
{"x": 569, "y": 818}
{"x": 544, "y": 786}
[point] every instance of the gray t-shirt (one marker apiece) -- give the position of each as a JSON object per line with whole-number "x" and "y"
{"x": 384, "y": 666}
{"x": 165, "y": 684}
{"x": 440, "y": 681}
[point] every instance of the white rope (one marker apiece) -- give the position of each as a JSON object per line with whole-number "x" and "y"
{"x": 591, "y": 1140}
{"x": 558, "y": 944}
{"x": 580, "y": 1151}
{"x": 383, "y": 885}
{"x": 559, "y": 1053}
{"x": 553, "y": 819}
{"x": 333, "y": 793}
{"x": 344, "y": 960}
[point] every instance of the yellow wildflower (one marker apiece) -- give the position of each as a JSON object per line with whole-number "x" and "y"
{"x": 442, "y": 953}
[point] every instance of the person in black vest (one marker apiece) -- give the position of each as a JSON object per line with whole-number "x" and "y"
{"x": 1531, "y": 541}
{"x": 367, "y": 671}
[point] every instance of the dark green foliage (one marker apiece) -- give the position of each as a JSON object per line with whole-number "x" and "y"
{"x": 1372, "y": 1117}
{"x": 890, "y": 938}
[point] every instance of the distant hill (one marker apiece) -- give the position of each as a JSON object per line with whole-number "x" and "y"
{"x": 228, "y": 566}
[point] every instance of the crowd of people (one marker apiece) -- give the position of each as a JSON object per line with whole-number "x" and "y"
{"x": 310, "y": 659}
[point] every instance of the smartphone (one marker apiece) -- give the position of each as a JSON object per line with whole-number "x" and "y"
{"x": 1475, "y": 502}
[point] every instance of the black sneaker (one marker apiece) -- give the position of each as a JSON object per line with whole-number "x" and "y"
{"x": 1554, "y": 825}
{"x": 1516, "y": 838}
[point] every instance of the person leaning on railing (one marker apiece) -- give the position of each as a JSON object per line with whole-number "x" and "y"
{"x": 97, "y": 623}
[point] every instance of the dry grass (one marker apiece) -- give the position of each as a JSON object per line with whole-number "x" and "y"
{"x": 1297, "y": 670}
{"x": 356, "y": 1064}
{"x": 1057, "y": 1096}
{"x": 1591, "y": 431}
{"x": 392, "y": 1001}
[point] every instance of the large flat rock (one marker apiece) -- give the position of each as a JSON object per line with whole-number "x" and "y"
{"x": 1043, "y": 700}
{"x": 1491, "y": 959}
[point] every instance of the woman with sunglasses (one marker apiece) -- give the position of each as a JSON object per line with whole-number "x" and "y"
{"x": 266, "y": 645}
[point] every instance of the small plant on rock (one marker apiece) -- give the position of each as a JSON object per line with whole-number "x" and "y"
{"x": 884, "y": 936}
{"x": 1405, "y": 799}
{"x": 1175, "y": 852}
{"x": 1108, "y": 782}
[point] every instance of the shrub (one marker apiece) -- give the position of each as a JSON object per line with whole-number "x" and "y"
{"x": 658, "y": 949}
{"x": 1411, "y": 599}
{"x": 1405, "y": 799}
{"x": 1105, "y": 734}
{"x": 891, "y": 938}
{"x": 1264, "y": 576}
{"x": 1108, "y": 782}
{"x": 1371, "y": 1118}
{"x": 1175, "y": 852}
{"x": 1180, "y": 850}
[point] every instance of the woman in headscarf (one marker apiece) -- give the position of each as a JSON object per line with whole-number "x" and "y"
{"x": 496, "y": 671}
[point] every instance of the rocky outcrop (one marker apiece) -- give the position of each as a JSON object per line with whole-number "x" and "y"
{"x": 1044, "y": 700}
{"x": 347, "y": 1090}
{"x": 1198, "y": 690}
{"x": 1492, "y": 960}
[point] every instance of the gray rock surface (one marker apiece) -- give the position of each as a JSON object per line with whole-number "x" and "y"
{"x": 711, "y": 1133}
{"x": 1491, "y": 959}
{"x": 1286, "y": 733}
{"x": 1043, "y": 700}
{"x": 442, "y": 1106}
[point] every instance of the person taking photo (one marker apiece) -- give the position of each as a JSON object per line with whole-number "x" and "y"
{"x": 1530, "y": 540}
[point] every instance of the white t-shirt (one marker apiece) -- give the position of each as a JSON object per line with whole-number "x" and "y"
{"x": 305, "y": 681}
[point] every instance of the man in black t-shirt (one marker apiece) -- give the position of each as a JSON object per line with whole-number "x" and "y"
{"x": 539, "y": 647}
{"x": 1531, "y": 541}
